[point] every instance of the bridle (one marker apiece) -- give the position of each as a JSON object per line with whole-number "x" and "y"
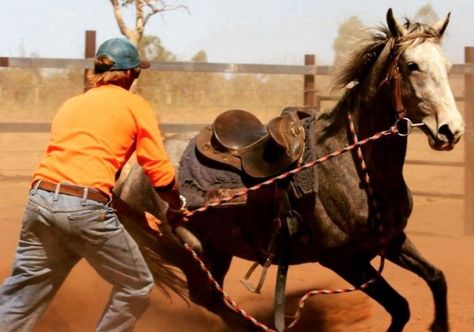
{"x": 397, "y": 46}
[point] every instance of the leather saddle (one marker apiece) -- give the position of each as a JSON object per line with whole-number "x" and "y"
{"x": 239, "y": 140}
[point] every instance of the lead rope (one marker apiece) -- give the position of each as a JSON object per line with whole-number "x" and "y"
{"x": 365, "y": 176}
{"x": 394, "y": 75}
{"x": 305, "y": 297}
{"x": 227, "y": 298}
{"x": 378, "y": 216}
{"x": 393, "y": 130}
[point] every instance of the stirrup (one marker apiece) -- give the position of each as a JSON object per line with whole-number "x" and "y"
{"x": 248, "y": 284}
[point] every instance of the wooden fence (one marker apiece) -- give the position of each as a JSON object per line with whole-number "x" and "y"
{"x": 309, "y": 98}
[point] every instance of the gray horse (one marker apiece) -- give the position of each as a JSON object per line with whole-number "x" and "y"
{"x": 401, "y": 72}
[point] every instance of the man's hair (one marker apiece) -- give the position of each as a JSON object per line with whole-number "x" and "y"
{"x": 103, "y": 73}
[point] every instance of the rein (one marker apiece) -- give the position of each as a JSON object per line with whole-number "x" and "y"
{"x": 393, "y": 130}
{"x": 402, "y": 127}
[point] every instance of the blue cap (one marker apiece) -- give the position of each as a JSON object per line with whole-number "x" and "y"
{"x": 123, "y": 53}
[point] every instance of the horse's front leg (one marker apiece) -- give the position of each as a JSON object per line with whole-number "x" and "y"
{"x": 358, "y": 272}
{"x": 407, "y": 256}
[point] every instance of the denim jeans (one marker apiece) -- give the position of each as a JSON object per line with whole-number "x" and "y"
{"x": 57, "y": 231}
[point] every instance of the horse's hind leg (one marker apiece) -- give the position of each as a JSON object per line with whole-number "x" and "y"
{"x": 359, "y": 272}
{"x": 407, "y": 256}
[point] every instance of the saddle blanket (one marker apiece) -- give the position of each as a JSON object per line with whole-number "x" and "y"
{"x": 203, "y": 181}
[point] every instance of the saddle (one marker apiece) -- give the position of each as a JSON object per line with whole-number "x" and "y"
{"x": 239, "y": 140}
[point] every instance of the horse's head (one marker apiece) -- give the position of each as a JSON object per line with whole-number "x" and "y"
{"x": 407, "y": 56}
{"x": 426, "y": 92}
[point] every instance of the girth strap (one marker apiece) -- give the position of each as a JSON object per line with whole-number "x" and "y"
{"x": 286, "y": 231}
{"x": 284, "y": 225}
{"x": 268, "y": 261}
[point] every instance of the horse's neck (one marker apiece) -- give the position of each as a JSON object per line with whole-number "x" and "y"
{"x": 370, "y": 118}
{"x": 384, "y": 159}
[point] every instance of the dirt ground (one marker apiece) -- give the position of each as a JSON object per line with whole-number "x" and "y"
{"x": 436, "y": 227}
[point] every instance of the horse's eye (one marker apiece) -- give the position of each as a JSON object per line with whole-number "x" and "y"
{"x": 412, "y": 66}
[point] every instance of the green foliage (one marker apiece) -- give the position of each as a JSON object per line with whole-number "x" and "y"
{"x": 350, "y": 32}
{"x": 152, "y": 49}
{"x": 200, "y": 56}
{"x": 426, "y": 14}
{"x": 35, "y": 94}
{"x": 199, "y": 97}
{"x": 178, "y": 97}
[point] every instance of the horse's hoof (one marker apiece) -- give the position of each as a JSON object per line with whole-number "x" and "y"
{"x": 439, "y": 328}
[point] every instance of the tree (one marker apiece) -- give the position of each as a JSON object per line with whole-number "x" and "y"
{"x": 426, "y": 14}
{"x": 144, "y": 10}
{"x": 349, "y": 33}
{"x": 200, "y": 56}
{"x": 152, "y": 49}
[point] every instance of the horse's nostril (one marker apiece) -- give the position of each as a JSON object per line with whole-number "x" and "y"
{"x": 444, "y": 133}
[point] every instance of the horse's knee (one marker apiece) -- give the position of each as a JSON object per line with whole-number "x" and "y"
{"x": 403, "y": 310}
{"x": 400, "y": 315}
{"x": 437, "y": 282}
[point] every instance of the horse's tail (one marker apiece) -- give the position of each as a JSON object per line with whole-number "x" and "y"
{"x": 167, "y": 277}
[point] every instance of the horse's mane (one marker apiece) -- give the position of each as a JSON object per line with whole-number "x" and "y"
{"x": 376, "y": 50}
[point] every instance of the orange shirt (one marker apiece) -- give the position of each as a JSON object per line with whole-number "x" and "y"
{"x": 94, "y": 134}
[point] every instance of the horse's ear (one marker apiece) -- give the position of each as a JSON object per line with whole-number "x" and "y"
{"x": 396, "y": 29}
{"x": 441, "y": 25}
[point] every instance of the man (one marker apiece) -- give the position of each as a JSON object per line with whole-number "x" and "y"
{"x": 68, "y": 214}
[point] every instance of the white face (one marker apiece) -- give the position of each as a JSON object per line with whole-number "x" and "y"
{"x": 431, "y": 100}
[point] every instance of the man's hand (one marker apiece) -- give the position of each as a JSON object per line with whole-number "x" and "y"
{"x": 153, "y": 222}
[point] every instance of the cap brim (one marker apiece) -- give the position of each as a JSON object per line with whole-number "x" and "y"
{"x": 144, "y": 64}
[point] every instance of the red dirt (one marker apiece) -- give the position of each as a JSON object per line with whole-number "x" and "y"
{"x": 436, "y": 227}
{"x": 81, "y": 299}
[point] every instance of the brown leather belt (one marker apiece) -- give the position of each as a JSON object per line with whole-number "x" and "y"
{"x": 73, "y": 190}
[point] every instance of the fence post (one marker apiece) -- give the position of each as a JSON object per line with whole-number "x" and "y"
{"x": 469, "y": 145}
{"x": 89, "y": 52}
{"x": 309, "y": 98}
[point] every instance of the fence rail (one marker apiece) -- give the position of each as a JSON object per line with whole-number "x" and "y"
{"x": 44, "y": 127}
{"x": 309, "y": 70}
{"x": 235, "y": 68}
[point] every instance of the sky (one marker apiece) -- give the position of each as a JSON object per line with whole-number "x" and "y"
{"x": 230, "y": 31}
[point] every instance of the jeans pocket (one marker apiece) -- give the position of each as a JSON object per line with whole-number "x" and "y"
{"x": 95, "y": 227}
{"x": 91, "y": 215}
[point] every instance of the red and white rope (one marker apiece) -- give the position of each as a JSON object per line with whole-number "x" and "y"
{"x": 356, "y": 145}
{"x": 393, "y": 130}
{"x": 227, "y": 298}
